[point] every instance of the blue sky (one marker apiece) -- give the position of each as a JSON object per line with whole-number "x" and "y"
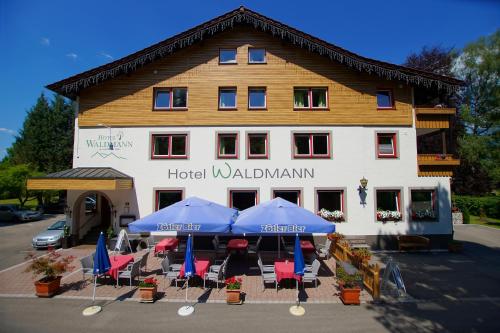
{"x": 45, "y": 41}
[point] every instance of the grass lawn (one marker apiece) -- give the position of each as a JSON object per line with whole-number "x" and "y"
{"x": 30, "y": 204}
{"x": 488, "y": 221}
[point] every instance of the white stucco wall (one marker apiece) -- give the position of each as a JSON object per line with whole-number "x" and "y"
{"x": 353, "y": 156}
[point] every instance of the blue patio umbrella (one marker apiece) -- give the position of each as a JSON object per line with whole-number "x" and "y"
{"x": 189, "y": 270}
{"x": 278, "y": 217}
{"x": 101, "y": 260}
{"x": 192, "y": 215}
{"x": 298, "y": 269}
{"x": 102, "y": 265}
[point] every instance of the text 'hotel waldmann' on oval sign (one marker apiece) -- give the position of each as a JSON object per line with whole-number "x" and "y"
{"x": 109, "y": 145}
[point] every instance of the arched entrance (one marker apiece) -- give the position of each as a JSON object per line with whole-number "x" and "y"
{"x": 92, "y": 213}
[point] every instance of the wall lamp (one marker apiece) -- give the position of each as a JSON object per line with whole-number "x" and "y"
{"x": 362, "y": 190}
{"x": 364, "y": 182}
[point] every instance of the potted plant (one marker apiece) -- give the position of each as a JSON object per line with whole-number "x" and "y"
{"x": 335, "y": 237}
{"x": 455, "y": 246}
{"x": 66, "y": 240}
{"x": 388, "y": 215}
{"x": 148, "y": 289}
{"x": 51, "y": 266}
{"x": 360, "y": 255}
{"x": 349, "y": 286}
{"x": 233, "y": 290}
{"x": 110, "y": 233}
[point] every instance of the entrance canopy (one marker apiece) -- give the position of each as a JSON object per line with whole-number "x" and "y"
{"x": 280, "y": 216}
{"x": 191, "y": 215}
{"x": 83, "y": 179}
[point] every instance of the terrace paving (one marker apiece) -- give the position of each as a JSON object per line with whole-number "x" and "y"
{"x": 14, "y": 281}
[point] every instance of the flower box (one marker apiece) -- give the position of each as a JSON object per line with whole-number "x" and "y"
{"x": 388, "y": 215}
{"x": 47, "y": 287}
{"x": 233, "y": 296}
{"x": 148, "y": 294}
{"x": 332, "y": 216}
{"x": 350, "y": 296}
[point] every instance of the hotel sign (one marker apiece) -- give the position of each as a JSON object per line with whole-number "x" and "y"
{"x": 228, "y": 172}
{"x": 105, "y": 146}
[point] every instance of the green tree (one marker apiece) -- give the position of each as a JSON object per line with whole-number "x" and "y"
{"x": 479, "y": 115}
{"x": 46, "y": 140}
{"x": 13, "y": 182}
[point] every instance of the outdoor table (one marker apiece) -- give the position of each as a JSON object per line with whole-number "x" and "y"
{"x": 118, "y": 263}
{"x": 307, "y": 246}
{"x": 237, "y": 244}
{"x": 284, "y": 270}
{"x": 167, "y": 244}
{"x": 201, "y": 265}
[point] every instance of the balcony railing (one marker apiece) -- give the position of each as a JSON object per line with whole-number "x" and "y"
{"x": 434, "y": 117}
{"x": 436, "y": 165}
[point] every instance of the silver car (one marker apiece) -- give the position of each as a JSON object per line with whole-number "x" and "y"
{"x": 13, "y": 213}
{"x": 50, "y": 237}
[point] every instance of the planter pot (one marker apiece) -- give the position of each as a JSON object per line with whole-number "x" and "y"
{"x": 48, "y": 288}
{"x": 349, "y": 296}
{"x": 233, "y": 296}
{"x": 148, "y": 294}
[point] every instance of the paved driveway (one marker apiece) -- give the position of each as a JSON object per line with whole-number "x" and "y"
{"x": 15, "y": 239}
{"x": 473, "y": 274}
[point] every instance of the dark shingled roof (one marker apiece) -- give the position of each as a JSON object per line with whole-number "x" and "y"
{"x": 87, "y": 173}
{"x": 70, "y": 87}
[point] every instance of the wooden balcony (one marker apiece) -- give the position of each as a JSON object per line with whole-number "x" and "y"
{"x": 434, "y": 117}
{"x": 436, "y": 165}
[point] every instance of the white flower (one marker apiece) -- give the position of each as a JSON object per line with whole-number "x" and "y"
{"x": 336, "y": 215}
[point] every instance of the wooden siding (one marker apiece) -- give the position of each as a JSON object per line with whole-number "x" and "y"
{"x": 435, "y": 111}
{"x": 432, "y": 121}
{"x": 127, "y": 100}
{"x": 79, "y": 184}
{"x": 430, "y": 165}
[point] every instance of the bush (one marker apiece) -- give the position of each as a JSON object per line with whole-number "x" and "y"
{"x": 490, "y": 205}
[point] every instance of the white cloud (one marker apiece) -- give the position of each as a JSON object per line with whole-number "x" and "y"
{"x": 8, "y": 130}
{"x": 106, "y": 55}
{"x": 72, "y": 55}
{"x": 45, "y": 41}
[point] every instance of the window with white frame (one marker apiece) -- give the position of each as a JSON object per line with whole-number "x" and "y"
{"x": 242, "y": 199}
{"x": 169, "y": 146}
{"x": 423, "y": 204}
{"x": 258, "y": 145}
{"x": 256, "y": 56}
{"x": 165, "y": 198}
{"x": 311, "y": 145}
{"x": 257, "y": 98}
{"x": 227, "y": 56}
{"x": 289, "y": 195}
{"x": 384, "y": 99}
{"x": 227, "y": 98}
{"x": 310, "y": 98}
{"x": 227, "y": 145}
{"x": 388, "y": 203}
{"x": 386, "y": 145}
{"x": 330, "y": 204}
{"x": 170, "y": 98}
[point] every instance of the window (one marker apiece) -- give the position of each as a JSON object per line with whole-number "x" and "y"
{"x": 165, "y": 198}
{"x": 256, "y": 56}
{"x": 388, "y": 205}
{"x": 242, "y": 199}
{"x": 257, "y": 98}
{"x": 330, "y": 204}
{"x": 384, "y": 99}
{"x": 170, "y": 98}
{"x": 169, "y": 146}
{"x": 310, "y": 98}
{"x": 227, "y": 98}
{"x": 257, "y": 145}
{"x": 423, "y": 205}
{"x": 386, "y": 145}
{"x": 227, "y": 145}
{"x": 311, "y": 145}
{"x": 289, "y": 195}
{"x": 227, "y": 56}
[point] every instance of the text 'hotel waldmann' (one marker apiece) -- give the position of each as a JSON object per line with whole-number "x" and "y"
{"x": 243, "y": 109}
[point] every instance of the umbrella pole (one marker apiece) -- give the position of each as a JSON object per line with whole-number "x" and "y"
{"x": 279, "y": 247}
{"x": 93, "y": 309}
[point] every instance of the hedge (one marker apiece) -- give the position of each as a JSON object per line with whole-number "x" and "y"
{"x": 489, "y": 204}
